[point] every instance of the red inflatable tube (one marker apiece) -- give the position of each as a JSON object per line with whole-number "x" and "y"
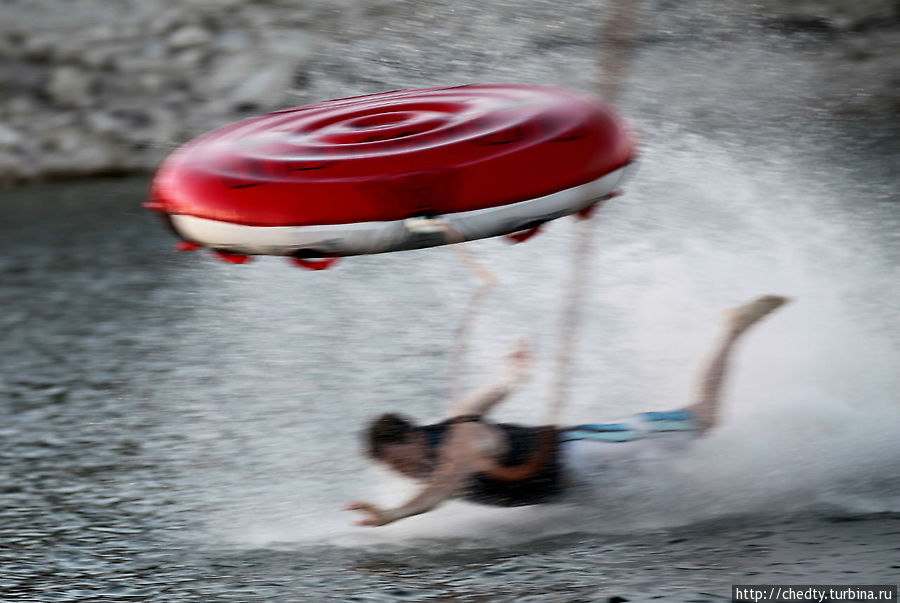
{"x": 341, "y": 177}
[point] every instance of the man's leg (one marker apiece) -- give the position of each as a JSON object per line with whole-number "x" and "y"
{"x": 738, "y": 320}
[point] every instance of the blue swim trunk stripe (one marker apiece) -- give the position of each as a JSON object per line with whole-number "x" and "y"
{"x": 604, "y": 432}
{"x": 670, "y": 420}
{"x": 645, "y": 423}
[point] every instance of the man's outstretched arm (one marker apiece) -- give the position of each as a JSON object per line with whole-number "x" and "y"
{"x": 446, "y": 481}
{"x": 481, "y": 402}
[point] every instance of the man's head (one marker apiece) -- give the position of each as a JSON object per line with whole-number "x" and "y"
{"x": 394, "y": 440}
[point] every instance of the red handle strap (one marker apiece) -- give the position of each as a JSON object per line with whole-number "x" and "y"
{"x": 523, "y": 235}
{"x": 230, "y": 256}
{"x": 321, "y": 264}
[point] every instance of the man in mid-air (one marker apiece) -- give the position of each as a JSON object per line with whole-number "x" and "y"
{"x": 466, "y": 456}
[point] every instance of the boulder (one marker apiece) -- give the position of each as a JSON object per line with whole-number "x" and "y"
{"x": 69, "y": 86}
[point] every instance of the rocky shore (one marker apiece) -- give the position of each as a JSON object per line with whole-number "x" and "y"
{"x": 92, "y": 87}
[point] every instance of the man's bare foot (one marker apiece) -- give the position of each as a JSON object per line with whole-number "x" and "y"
{"x": 745, "y": 316}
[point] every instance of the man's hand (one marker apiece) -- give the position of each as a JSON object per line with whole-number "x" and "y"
{"x": 519, "y": 361}
{"x": 377, "y": 517}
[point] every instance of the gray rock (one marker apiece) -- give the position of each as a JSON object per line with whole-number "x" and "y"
{"x": 228, "y": 72}
{"x": 10, "y": 138}
{"x": 8, "y": 50}
{"x": 69, "y": 86}
{"x": 189, "y": 36}
{"x": 265, "y": 87}
{"x": 164, "y": 127}
{"x": 148, "y": 56}
{"x": 106, "y": 125}
{"x": 296, "y": 45}
{"x": 74, "y": 151}
{"x": 18, "y": 106}
{"x": 38, "y": 47}
{"x": 188, "y": 60}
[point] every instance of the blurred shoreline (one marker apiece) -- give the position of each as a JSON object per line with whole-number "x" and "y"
{"x": 110, "y": 88}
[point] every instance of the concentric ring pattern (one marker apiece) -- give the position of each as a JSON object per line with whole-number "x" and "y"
{"x": 394, "y": 155}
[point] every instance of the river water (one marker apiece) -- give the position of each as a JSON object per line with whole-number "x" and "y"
{"x": 177, "y": 429}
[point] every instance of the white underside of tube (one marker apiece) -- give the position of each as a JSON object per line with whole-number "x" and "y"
{"x": 380, "y": 237}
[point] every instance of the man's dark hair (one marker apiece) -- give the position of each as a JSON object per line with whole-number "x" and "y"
{"x": 389, "y": 428}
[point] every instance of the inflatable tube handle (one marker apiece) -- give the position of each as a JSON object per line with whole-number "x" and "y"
{"x": 589, "y": 211}
{"x": 230, "y": 256}
{"x": 154, "y": 205}
{"x": 313, "y": 264}
{"x": 523, "y": 235}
